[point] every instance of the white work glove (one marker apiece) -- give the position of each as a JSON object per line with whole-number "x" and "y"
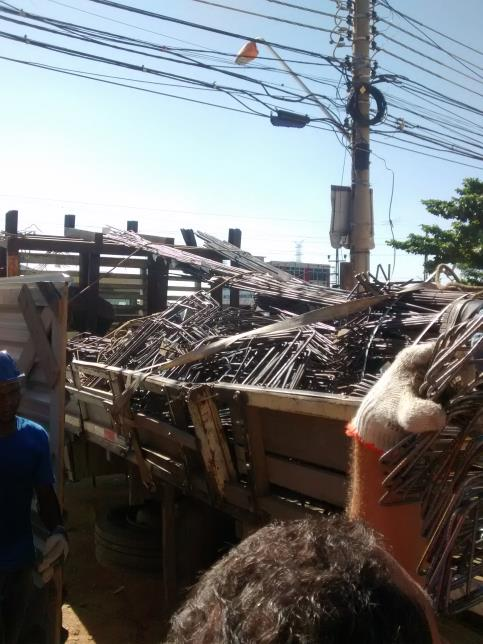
{"x": 56, "y": 547}
{"x": 392, "y": 407}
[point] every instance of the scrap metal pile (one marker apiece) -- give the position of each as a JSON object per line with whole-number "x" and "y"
{"x": 329, "y": 357}
{"x": 338, "y": 355}
{"x": 344, "y": 353}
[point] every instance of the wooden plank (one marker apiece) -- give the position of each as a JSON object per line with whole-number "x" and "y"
{"x": 98, "y": 369}
{"x": 333, "y": 406}
{"x": 189, "y": 237}
{"x": 209, "y": 432}
{"x": 314, "y": 482}
{"x": 258, "y": 473}
{"x": 11, "y": 230}
{"x": 283, "y": 509}
{"x": 89, "y": 398}
{"x": 78, "y": 233}
{"x": 44, "y": 351}
{"x": 234, "y": 237}
{"x": 83, "y": 270}
{"x": 66, "y": 245}
{"x": 217, "y": 291}
{"x": 92, "y": 294}
{"x": 320, "y": 441}
{"x": 49, "y": 259}
{"x": 165, "y": 430}
{"x": 238, "y": 495}
{"x": 157, "y": 285}
{"x": 58, "y": 258}
{"x": 69, "y": 221}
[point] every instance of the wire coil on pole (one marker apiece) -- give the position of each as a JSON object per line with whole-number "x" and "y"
{"x": 353, "y": 105}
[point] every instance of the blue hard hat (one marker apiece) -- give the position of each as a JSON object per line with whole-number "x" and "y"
{"x": 8, "y": 368}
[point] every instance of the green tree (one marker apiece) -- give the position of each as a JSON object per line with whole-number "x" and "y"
{"x": 461, "y": 244}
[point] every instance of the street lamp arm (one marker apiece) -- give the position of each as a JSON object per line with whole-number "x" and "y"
{"x": 295, "y": 76}
{"x": 250, "y": 51}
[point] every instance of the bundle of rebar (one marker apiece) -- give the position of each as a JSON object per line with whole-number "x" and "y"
{"x": 444, "y": 471}
{"x": 333, "y": 358}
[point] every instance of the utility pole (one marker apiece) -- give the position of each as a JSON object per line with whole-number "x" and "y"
{"x": 362, "y": 233}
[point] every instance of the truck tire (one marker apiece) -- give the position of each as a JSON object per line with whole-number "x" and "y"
{"x": 123, "y": 541}
{"x": 135, "y": 561}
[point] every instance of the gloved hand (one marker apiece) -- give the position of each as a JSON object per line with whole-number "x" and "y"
{"x": 393, "y": 407}
{"x": 55, "y": 547}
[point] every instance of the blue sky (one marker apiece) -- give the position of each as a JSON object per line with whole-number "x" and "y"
{"x": 109, "y": 154}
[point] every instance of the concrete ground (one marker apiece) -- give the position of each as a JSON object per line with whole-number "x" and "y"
{"x": 107, "y": 606}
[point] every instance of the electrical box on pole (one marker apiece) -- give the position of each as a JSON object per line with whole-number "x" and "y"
{"x": 340, "y": 220}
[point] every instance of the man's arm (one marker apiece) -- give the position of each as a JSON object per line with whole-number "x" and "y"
{"x": 399, "y": 525}
{"x": 49, "y": 507}
{"x": 390, "y": 410}
{"x": 56, "y": 546}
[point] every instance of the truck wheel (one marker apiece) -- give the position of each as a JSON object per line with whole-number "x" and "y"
{"x": 129, "y": 537}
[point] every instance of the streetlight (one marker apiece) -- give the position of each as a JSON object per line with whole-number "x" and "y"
{"x": 249, "y": 52}
{"x": 361, "y": 217}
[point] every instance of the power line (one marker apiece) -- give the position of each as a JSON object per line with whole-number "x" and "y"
{"x": 223, "y": 32}
{"x": 426, "y": 154}
{"x": 426, "y": 139}
{"x": 419, "y": 90}
{"x": 427, "y": 57}
{"x": 185, "y": 59}
{"x": 141, "y": 89}
{"x": 85, "y": 75}
{"x": 296, "y": 6}
{"x": 261, "y": 15}
{"x": 442, "y": 144}
{"x": 200, "y": 48}
{"x": 84, "y": 33}
{"x": 446, "y": 117}
{"x": 421, "y": 24}
{"x": 209, "y": 53}
{"x": 93, "y": 35}
{"x": 431, "y": 43}
{"x": 121, "y": 22}
{"x": 428, "y": 71}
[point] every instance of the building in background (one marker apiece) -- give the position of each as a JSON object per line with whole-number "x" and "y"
{"x": 315, "y": 273}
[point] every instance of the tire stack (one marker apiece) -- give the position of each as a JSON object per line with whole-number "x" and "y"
{"x": 129, "y": 537}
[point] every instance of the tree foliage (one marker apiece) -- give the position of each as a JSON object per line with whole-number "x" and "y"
{"x": 460, "y": 244}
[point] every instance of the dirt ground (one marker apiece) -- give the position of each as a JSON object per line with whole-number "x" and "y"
{"x": 102, "y": 605}
{"x": 106, "y": 606}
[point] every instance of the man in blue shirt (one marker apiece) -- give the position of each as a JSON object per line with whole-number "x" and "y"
{"x": 25, "y": 470}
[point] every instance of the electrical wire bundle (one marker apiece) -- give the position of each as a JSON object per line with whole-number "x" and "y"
{"x": 421, "y": 118}
{"x": 416, "y": 116}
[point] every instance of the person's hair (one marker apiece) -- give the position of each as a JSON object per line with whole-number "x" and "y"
{"x": 310, "y": 581}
